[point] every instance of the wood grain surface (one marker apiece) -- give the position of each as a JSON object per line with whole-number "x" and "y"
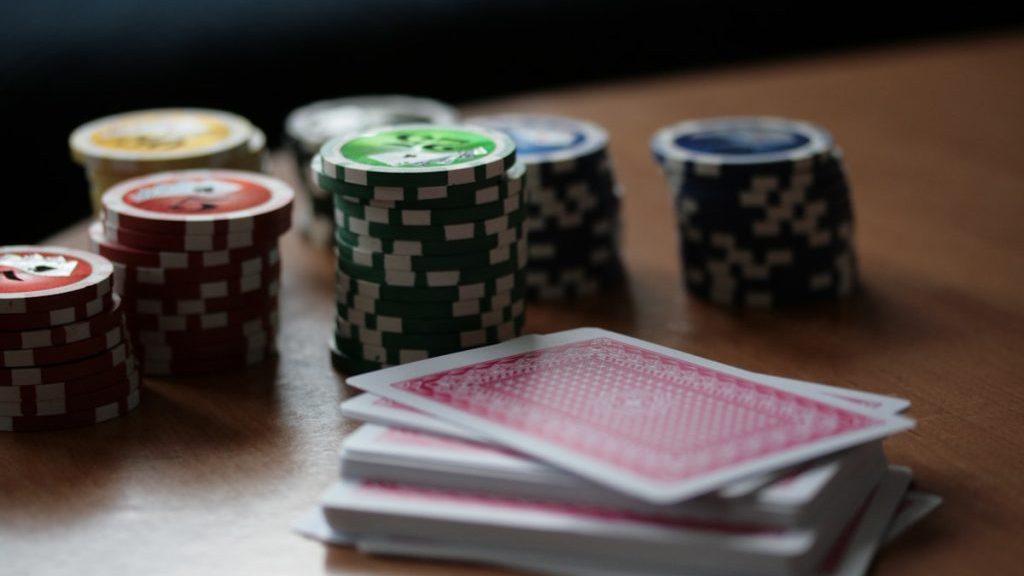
{"x": 208, "y": 475}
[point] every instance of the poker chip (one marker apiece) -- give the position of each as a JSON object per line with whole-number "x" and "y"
{"x": 307, "y": 129}
{"x": 200, "y": 322}
{"x": 65, "y": 333}
{"x": 60, "y": 391}
{"x": 413, "y": 325}
{"x": 458, "y": 339}
{"x": 493, "y": 256}
{"x": 428, "y": 309}
{"x": 183, "y": 367}
{"x": 427, "y": 248}
{"x": 197, "y": 266}
{"x": 200, "y": 202}
{"x": 264, "y": 281}
{"x": 508, "y": 283}
{"x": 133, "y": 144}
{"x": 62, "y": 353}
{"x": 31, "y": 376}
{"x": 167, "y": 260}
{"x": 426, "y": 217}
{"x": 72, "y": 419}
{"x": 111, "y": 388}
{"x": 260, "y": 263}
{"x": 418, "y": 155}
{"x": 466, "y": 196}
{"x": 764, "y": 210}
{"x": 443, "y": 233}
{"x": 66, "y": 315}
{"x": 429, "y": 241}
{"x": 192, "y": 242}
{"x": 435, "y": 278}
{"x": 402, "y": 348}
{"x": 348, "y": 365}
{"x": 573, "y": 204}
{"x": 41, "y": 279}
{"x": 262, "y": 326}
{"x": 189, "y": 306}
{"x": 257, "y": 342}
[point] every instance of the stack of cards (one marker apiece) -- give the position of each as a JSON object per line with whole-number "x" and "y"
{"x": 589, "y": 452}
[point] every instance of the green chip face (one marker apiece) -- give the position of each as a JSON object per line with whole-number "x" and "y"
{"x": 417, "y": 155}
{"x": 419, "y": 147}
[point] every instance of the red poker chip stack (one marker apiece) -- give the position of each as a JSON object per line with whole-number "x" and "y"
{"x": 197, "y": 266}
{"x": 65, "y": 355}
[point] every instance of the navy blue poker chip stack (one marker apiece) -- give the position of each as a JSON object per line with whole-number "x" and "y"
{"x": 573, "y": 203}
{"x": 764, "y": 210}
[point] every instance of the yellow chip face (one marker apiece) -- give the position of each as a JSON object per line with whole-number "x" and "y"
{"x": 163, "y": 132}
{"x": 120, "y": 143}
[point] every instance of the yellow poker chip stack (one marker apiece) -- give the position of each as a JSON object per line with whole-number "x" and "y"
{"x": 133, "y": 144}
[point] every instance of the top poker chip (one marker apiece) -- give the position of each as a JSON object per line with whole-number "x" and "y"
{"x": 706, "y": 146}
{"x": 312, "y": 125}
{"x": 418, "y": 155}
{"x": 200, "y": 202}
{"x": 41, "y": 279}
{"x": 543, "y": 138}
{"x": 124, "y": 141}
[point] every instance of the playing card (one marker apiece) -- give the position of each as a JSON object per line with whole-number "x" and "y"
{"x": 371, "y": 408}
{"x": 879, "y": 402}
{"x": 313, "y": 525}
{"x": 916, "y": 505}
{"x": 390, "y": 510}
{"x": 375, "y": 453}
{"x": 850, "y": 556}
{"x": 651, "y": 422}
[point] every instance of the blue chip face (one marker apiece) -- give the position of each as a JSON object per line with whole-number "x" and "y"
{"x": 744, "y": 141}
{"x": 542, "y": 138}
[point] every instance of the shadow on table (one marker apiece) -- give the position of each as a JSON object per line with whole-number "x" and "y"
{"x": 178, "y": 438}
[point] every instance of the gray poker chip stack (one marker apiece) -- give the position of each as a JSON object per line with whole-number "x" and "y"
{"x": 308, "y": 127}
{"x": 764, "y": 210}
{"x": 573, "y": 204}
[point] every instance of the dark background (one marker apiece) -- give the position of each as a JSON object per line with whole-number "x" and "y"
{"x": 64, "y": 62}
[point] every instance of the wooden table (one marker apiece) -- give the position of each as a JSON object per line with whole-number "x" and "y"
{"x": 207, "y": 476}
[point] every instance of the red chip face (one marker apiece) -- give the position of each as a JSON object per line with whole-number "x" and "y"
{"x": 37, "y": 271}
{"x": 198, "y": 195}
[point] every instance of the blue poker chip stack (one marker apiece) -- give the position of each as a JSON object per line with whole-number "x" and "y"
{"x": 764, "y": 210}
{"x": 572, "y": 201}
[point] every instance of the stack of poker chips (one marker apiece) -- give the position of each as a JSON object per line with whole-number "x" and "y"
{"x": 65, "y": 356}
{"x": 429, "y": 239}
{"x": 307, "y": 129}
{"x": 573, "y": 204}
{"x": 133, "y": 144}
{"x": 764, "y": 210}
{"x": 197, "y": 265}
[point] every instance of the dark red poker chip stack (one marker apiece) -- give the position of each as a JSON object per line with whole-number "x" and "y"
{"x": 197, "y": 266}
{"x": 66, "y": 358}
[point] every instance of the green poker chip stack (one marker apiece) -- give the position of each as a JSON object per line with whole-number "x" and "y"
{"x": 430, "y": 240}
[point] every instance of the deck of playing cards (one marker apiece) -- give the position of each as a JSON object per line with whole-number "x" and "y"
{"x": 590, "y": 452}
